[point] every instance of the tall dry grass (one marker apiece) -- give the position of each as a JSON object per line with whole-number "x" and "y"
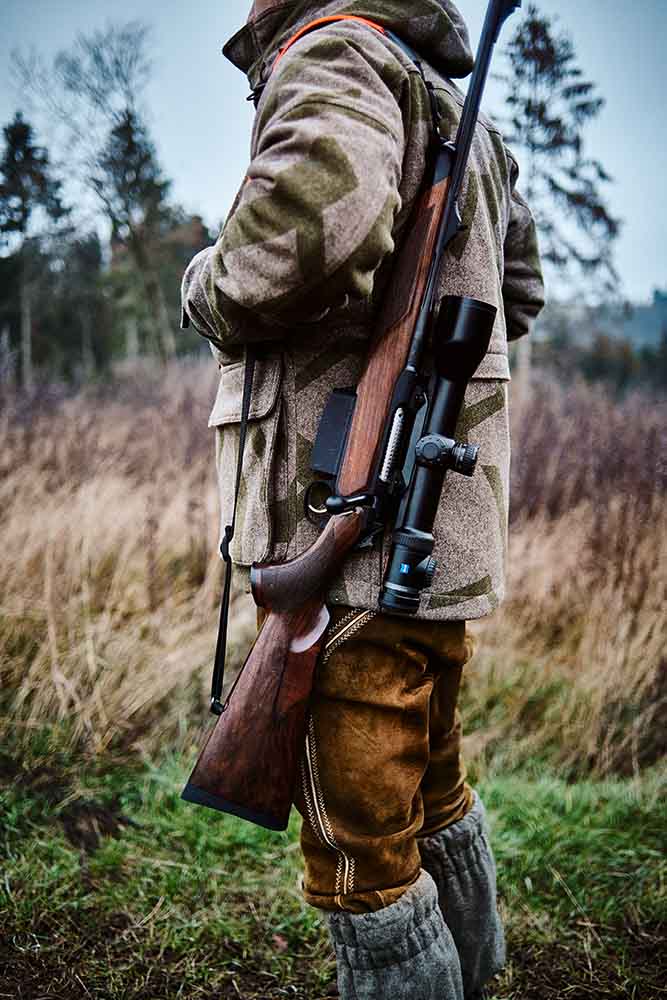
{"x": 573, "y": 667}
{"x": 109, "y": 576}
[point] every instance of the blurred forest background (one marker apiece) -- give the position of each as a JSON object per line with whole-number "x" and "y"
{"x": 110, "y": 577}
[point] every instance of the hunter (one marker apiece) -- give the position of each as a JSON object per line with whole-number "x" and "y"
{"x": 395, "y": 841}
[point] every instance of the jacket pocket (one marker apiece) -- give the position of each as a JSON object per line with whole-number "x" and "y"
{"x": 252, "y": 535}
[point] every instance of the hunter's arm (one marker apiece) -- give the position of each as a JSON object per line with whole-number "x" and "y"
{"x": 314, "y": 218}
{"x": 523, "y": 287}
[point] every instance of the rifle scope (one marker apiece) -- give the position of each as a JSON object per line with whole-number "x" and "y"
{"x": 461, "y": 336}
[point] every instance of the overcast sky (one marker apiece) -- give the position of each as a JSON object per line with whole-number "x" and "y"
{"x": 201, "y": 123}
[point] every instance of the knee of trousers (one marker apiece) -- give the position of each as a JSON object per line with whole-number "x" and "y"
{"x": 365, "y": 756}
{"x": 359, "y": 835}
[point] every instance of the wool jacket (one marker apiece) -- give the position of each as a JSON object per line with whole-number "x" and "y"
{"x": 338, "y": 153}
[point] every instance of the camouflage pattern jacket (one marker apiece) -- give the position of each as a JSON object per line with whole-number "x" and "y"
{"x": 337, "y": 157}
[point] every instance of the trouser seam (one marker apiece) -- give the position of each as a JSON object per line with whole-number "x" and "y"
{"x": 348, "y": 626}
{"x": 319, "y": 818}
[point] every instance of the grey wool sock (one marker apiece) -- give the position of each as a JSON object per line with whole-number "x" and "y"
{"x": 460, "y": 860}
{"x": 402, "y": 952}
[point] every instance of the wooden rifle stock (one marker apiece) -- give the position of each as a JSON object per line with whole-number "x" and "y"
{"x": 391, "y": 344}
{"x": 249, "y": 764}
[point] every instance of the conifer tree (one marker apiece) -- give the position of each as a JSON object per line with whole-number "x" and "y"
{"x": 94, "y": 90}
{"x": 129, "y": 183}
{"x": 27, "y": 185}
{"x": 81, "y": 316}
{"x": 551, "y": 103}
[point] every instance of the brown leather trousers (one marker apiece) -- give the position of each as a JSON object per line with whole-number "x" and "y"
{"x": 382, "y": 764}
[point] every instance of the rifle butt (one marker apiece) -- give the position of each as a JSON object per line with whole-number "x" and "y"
{"x": 249, "y": 765}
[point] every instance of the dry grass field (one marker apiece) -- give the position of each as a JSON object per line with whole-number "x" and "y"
{"x": 109, "y": 584}
{"x": 109, "y": 576}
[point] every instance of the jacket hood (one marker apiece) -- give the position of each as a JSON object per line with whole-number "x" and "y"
{"x": 435, "y": 28}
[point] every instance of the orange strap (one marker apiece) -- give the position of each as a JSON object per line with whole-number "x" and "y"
{"x": 325, "y": 20}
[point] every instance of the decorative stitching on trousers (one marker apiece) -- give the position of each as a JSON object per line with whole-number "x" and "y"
{"x": 339, "y": 876}
{"x": 309, "y": 802}
{"x": 349, "y": 625}
{"x": 345, "y": 866}
{"x": 345, "y": 628}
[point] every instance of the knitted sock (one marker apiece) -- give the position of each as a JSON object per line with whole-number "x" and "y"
{"x": 460, "y": 860}
{"x": 402, "y": 952}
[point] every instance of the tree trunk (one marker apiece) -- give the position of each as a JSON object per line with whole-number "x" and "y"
{"x": 154, "y": 294}
{"x": 87, "y": 354}
{"x": 27, "y": 373}
{"x": 6, "y": 358}
{"x": 166, "y": 329}
{"x": 131, "y": 338}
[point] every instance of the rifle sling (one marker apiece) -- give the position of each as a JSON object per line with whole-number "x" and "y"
{"x": 217, "y": 706}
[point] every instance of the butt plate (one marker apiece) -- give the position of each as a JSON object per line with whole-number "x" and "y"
{"x": 201, "y": 798}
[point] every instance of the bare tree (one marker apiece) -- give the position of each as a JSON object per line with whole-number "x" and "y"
{"x": 6, "y": 358}
{"x": 95, "y": 90}
{"x": 130, "y": 185}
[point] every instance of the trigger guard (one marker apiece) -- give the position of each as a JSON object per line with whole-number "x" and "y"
{"x": 317, "y": 513}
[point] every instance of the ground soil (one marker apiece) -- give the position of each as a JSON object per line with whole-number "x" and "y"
{"x": 75, "y": 967}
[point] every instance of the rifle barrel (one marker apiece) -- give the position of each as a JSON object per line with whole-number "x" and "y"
{"x": 496, "y": 14}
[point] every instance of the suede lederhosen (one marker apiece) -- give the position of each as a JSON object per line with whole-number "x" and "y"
{"x": 382, "y": 763}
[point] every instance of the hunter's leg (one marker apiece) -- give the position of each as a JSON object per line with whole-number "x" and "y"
{"x": 366, "y": 754}
{"x": 446, "y": 794}
{"x": 454, "y": 841}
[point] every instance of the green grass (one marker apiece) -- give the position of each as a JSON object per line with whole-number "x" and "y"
{"x": 583, "y": 882}
{"x": 141, "y": 895}
{"x": 112, "y": 887}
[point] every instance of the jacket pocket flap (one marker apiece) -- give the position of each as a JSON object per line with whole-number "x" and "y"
{"x": 229, "y": 398}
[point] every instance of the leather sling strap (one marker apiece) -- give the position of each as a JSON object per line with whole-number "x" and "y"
{"x": 319, "y": 23}
{"x": 217, "y": 706}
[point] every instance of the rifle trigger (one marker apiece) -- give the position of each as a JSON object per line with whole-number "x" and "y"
{"x": 347, "y": 505}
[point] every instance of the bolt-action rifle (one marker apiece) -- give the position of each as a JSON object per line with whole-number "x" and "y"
{"x": 383, "y": 452}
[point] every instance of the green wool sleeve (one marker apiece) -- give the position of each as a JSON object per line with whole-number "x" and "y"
{"x": 523, "y": 286}
{"x": 314, "y": 217}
